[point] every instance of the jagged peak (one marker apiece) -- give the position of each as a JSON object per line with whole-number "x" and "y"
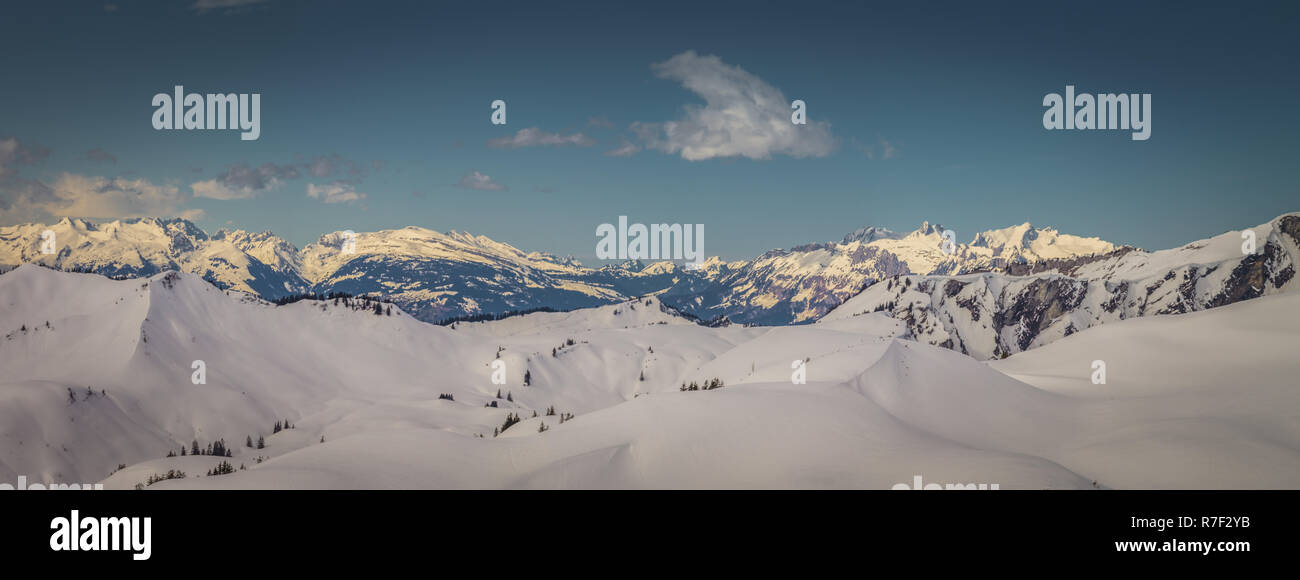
{"x": 868, "y": 234}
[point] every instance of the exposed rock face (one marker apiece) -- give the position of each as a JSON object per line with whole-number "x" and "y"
{"x": 994, "y": 314}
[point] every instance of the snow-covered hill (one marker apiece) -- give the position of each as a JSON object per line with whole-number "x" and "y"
{"x": 386, "y": 401}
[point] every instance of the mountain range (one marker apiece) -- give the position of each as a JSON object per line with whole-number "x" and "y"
{"x": 437, "y": 276}
{"x": 1005, "y": 291}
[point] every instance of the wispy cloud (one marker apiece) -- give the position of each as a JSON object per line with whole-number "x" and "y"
{"x": 743, "y": 116}
{"x": 481, "y": 182}
{"x": 101, "y": 156}
{"x": 14, "y": 152}
{"x": 625, "y": 149}
{"x": 334, "y": 164}
{"x": 883, "y": 149}
{"x": 243, "y": 182}
{"x": 202, "y": 6}
{"x": 335, "y": 192}
{"x": 534, "y": 137}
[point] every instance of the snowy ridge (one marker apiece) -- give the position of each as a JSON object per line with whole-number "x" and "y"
{"x": 992, "y": 315}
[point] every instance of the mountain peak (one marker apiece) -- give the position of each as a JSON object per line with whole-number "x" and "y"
{"x": 926, "y": 229}
{"x": 868, "y": 234}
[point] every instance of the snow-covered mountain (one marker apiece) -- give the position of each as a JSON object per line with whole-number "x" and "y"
{"x": 436, "y": 276}
{"x": 98, "y": 372}
{"x": 1026, "y": 305}
{"x": 262, "y": 264}
{"x": 804, "y": 283}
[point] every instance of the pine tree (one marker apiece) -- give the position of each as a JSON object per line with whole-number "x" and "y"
{"x": 248, "y": 442}
{"x": 528, "y": 377}
{"x": 194, "y": 448}
{"x": 510, "y": 397}
{"x": 261, "y": 443}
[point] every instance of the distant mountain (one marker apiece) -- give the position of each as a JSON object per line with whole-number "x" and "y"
{"x": 1029, "y": 304}
{"x": 436, "y": 276}
{"x": 261, "y": 264}
{"x": 804, "y": 283}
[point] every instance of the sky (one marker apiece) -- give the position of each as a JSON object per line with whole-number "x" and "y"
{"x": 378, "y": 115}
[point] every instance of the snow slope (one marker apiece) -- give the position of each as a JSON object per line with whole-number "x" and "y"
{"x": 363, "y": 393}
{"x": 1205, "y": 399}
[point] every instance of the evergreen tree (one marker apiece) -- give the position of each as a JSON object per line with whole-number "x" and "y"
{"x": 261, "y": 443}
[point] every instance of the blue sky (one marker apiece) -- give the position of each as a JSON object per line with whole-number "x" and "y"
{"x": 931, "y": 111}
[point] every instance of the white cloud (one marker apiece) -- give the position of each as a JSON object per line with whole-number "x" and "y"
{"x": 534, "y": 137}
{"x": 100, "y": 197}
{"x": 625, "y": 149}
{"x": 335, "y": 192}
{"x": 743, "y": 116}
{"x": 481, "y": 182}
